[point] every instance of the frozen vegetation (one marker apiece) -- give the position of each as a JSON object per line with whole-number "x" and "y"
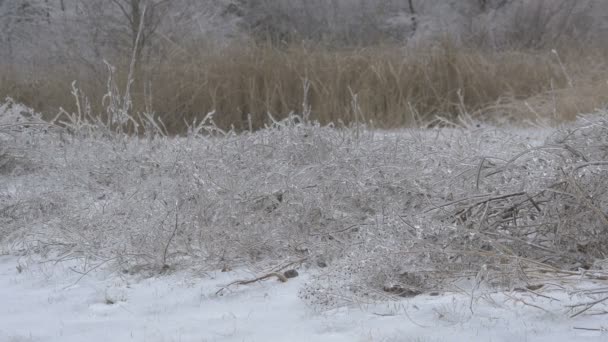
{"x": 130, "y": 216}
{"x": 468, "y": 224}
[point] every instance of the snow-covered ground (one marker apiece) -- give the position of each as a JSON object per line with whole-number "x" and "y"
{"x": 50, "y": 302}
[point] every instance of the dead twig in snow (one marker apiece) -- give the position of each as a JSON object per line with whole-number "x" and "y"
{"x": 586, "y": 306}
{"x": 279, "y": 276}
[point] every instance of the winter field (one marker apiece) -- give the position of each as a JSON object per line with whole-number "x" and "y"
{"x": 388, "y": 170}
{"x": 459, "y": 233}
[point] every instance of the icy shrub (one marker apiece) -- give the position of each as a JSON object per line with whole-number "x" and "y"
{"x": 391, "y": 214}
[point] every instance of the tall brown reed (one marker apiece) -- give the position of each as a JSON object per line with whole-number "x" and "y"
{"x": 394, "y": 86}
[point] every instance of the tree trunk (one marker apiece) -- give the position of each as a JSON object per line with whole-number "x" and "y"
{"x": 413, "y": 18}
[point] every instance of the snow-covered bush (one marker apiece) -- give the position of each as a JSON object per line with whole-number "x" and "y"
{"x": 388, "y": 213}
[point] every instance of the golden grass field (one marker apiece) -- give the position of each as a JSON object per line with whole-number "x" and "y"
{"x": 391, "y": 86}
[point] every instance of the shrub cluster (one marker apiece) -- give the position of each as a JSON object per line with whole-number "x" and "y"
{"x": 389, "y": 213}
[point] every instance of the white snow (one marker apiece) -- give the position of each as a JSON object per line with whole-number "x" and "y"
{"x": 76, "y": 199}
{"x": 50, "y": 302}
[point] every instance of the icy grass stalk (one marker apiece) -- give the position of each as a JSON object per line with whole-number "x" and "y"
{"x": 390, "y": 214}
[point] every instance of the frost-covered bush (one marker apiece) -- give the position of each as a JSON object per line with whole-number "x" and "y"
{"x": 388, "y": 213}
{"x": 19, "y": 127}
{"x": 341, "y": 22}
{"x": 495, "y": 208}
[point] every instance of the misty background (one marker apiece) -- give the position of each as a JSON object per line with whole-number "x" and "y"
{"x": 48, "y": 44}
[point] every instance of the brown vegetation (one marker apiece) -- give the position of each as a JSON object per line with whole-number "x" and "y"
{"x": 393, "y": 86}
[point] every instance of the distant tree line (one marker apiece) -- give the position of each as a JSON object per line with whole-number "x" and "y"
{"x": 90, "y": 30}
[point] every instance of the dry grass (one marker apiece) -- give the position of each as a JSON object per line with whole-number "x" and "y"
{"x": 394, "y": 86}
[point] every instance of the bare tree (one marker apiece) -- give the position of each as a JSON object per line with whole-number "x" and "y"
{"x": 535, "y": 24}
{"x": 412, "y": 10}
{"x": 149, "y": 20}
{"x": 485, "y": 5}
{"x": 18, "y": 22}
{"x": 340, "y": 22}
